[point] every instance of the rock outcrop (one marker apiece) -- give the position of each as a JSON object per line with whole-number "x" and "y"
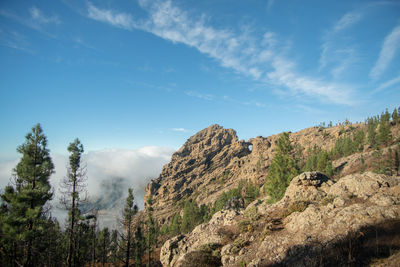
{"x": 197, "y": 167}
{"x": 315, "y": 217}
{"x": 214, "y": 160}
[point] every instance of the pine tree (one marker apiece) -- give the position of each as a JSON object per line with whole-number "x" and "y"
{"x": 25, "y": 201}
{"x": 151, "y": 230}
{"x": 371, "y": 129}
{"x": 93, "y": 238}
{"x": 175, "y": 227}
{"x": 104, "y": 241}
{"x": 73, "y": 186}
{"x": 191, "y": 216}
{"x": 114, "y": 247}
{"x": 282, "y": 169}
{"x": 395, "y": 116}
{"x": 129, "y": 212}
{"x": 384, "y": 134}
{"x": 397, "y": 160}
{"x": 139, "y": 246}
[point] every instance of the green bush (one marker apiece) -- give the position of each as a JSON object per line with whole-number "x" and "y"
{"x": 201, "y": 259}
{"x": 238, "y": 244}
{"x": 295, "y": 207}
{"x": 244, "y": 225}
{"x": 252, "y": 214}
{"x": 211, "y": 248}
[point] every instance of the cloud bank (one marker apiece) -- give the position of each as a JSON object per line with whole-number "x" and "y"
{"x": 110, "y": 173}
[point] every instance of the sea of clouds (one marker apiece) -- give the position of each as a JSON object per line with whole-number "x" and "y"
{"x": 110, "y": 172}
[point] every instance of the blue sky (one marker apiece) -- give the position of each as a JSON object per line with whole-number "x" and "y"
{"x": 132, "y": 74}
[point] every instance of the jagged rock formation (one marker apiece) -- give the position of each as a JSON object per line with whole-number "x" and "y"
{"x": 214, "y": 160}
{"x": 313, "y": 219}
{"x": 200, "y": 162}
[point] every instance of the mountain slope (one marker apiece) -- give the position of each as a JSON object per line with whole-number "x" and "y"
{"x": 214, "y": 162}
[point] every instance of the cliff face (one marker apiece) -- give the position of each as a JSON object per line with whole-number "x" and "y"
{"x": 214, "y": 160}
{"x": 195, "y": 169}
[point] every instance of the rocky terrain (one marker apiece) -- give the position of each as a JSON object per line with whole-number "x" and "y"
{"x": 318, "y": 218}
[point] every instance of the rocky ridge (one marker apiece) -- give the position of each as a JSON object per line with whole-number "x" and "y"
{"x": 315, "y": 215}
{"x": 214, "y": 160}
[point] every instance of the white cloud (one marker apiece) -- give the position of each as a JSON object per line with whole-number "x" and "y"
{"x": 387, "y": 53}
{"x": 120, "y": 20}
{"x": 15, "y": 40}
{"x": 6, "y": 170}
{"x": 242, "y": 52}
{"x": 38, "y": 16}
{"x": 207, "y": 97}
{"x": 118, "y": 167}
{"x": 347, "y": 20}
{"x": 36, "y": 21}
{"x": 254, "y": 104}
{"x": 388, "y": 84}
{"x": 336, "y": 52}
{"x": 82, "y": 43}
{"x": 180, "y": 130}
{"x": 270, "y": 4}
{"x": 285, "y": 75}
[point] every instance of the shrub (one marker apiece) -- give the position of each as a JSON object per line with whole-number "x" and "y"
{"x": 211, "y": 248}
{"x": 201, "y": 259}
{"x": 238, "y": 244}
{"x": 252, "y": 214}
{"x": 295, "y": 207}
{"x": 244, "y": 225}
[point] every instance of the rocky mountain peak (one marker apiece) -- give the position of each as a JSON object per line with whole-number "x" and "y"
{"x": 206, "y": 142}
{"x": 197, "y": 164}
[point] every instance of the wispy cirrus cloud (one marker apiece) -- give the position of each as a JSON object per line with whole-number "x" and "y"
{"x": 336, "y": 51}
{"x": 347, "y": 20}
{"x": 387, "y": 53}
{"x": 259, "y": 58}
{"x": 285, "y": 75}
{"x": 270, "y": 4}
{"x": 38, "y": 16}
{"x": 388, "y": 84}
{"x": 207, "y": 97}
{"x": 36, "y": 20}
{"x": 183, "y": 130}
{"x": 120, "y": 20}
{"x": 15, "y": 40}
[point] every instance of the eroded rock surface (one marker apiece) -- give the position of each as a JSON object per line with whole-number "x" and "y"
{"x": 214, "y": 160}
{"x": 314, "y": 214}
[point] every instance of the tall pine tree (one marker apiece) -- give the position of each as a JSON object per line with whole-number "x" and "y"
{"x": 25, "y": 200}
{"x": 72, "y": 187}
{"x": 129, "y": 212}
{"x": 152, "y": 229}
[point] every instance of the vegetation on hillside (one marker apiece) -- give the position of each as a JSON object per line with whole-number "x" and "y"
{"x": 286, "y": 164}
